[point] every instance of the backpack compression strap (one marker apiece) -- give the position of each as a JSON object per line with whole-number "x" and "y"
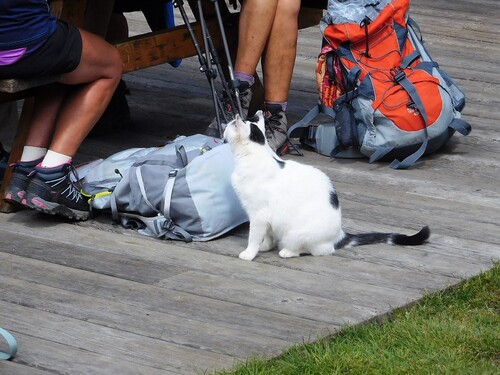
{"x": 157, "y": 226}
{"x": 295, "y": 130}
{"x": 401, "y": 78}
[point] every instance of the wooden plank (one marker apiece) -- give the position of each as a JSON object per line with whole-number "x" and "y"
{"x": 56, "y": 357}
{"x": 15, "y": 368}
{"x": 176, "y": 330}
{"x": 407, "y": 280}
{"x": 17, "y": 85}
{"x": 162, "y": 300}
{"x": 115, "y": 345}
{"x": 160, "y": 47}
{"x": 113, "y": 259}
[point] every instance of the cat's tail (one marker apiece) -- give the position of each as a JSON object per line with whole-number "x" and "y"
{"x": 350, "y": 240}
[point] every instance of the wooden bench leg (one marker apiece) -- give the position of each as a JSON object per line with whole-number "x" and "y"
{"x": 17, "y": 149}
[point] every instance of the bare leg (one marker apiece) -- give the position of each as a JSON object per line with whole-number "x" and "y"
{"x": 280, "y": 52}
{"x": 45, "y": 111}
{"x": 98, "y": 73}
{"x": 256, "y": 19}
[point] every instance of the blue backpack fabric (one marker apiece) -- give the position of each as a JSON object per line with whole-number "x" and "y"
{"x": 180, "y": 191}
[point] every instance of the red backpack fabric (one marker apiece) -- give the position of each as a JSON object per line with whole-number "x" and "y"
{"x": 389, "y": 98}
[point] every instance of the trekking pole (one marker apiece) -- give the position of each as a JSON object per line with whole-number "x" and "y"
{"x": 213, "y": 57}
{"x": 234, "y": 82}
{"x": 210, "y": 74}
{"x": 209, "y": 69}
{"x": 217, "y": 61}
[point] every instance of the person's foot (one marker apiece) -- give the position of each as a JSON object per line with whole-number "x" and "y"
{"x": 21, "y": 176}
{"x": 51, "y": 191}
{"x": 245, "y": 92}
{"x": 276, "y": 128}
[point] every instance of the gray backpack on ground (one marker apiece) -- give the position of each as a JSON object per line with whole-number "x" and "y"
{"x": 180, "y": 191}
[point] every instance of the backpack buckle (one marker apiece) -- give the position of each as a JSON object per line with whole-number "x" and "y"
{"x": 398, "y": 74}
{"x": 172, "y": 173}
{"x": 168, "y": 225}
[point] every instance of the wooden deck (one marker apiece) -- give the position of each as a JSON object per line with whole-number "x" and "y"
{"x": 92, "y": 298}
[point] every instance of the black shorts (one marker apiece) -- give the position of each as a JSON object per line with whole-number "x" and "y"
{"x": 60, "y": 54}
{"x": 122, "y": 6}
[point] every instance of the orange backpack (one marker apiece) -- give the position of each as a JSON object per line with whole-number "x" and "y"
{"x": 388, "y": 98}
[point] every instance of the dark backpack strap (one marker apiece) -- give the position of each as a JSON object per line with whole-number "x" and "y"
{"x": 114, "y": 208}
{"x": 414, "y": 26}
{"x": 180, "y": 151}
{"x": 461, "y": 126}
{"x": 380, "y": 153}
{"x": 410, "y": 59}
{"x": 296, "y": 130}
{"x": 403, "y": 80}
{"x": 345, "y": 122}
{"x": 400, "y": 77}
{"x": 156, "y": 226}
{"x": 412, "y": 159}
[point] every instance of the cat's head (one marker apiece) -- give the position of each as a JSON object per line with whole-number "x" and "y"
{"x": 252, "y": 130}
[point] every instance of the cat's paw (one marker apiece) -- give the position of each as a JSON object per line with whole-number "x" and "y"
{"x": 285, "y": 253}
{"x": 247, "y": 255}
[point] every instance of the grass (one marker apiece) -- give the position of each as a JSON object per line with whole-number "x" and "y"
{"x": 456, "y": 331}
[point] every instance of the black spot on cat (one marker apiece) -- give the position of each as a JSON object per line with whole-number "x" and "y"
{"x": 281, "y": 163}
{"x": 253, "y": 118}
{"x": 256, "y": 135}
{"x": 334, "y": 199}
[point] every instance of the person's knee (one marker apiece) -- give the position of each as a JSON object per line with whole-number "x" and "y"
{"x": 116, "y": 63}
{"x": 289, "y": 7}
{"x": 113, "y": 64}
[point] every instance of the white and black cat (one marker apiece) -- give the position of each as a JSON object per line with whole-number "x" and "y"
{"x": 290, "y": 204}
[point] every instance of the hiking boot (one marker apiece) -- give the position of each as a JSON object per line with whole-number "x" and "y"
{"x": 276, "y": 128}
{"x": 51, "y": 191}
{"x": 245, "y": 97}
{"x": 21, "y": 176}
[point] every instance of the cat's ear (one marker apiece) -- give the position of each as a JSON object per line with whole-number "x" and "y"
{"x": 261, "y": 122}
{"x": 239, "y": 121}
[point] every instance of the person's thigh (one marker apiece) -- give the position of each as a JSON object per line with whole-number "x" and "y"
{"x": 99, "y": 59}
{"x": 58, "y": 55}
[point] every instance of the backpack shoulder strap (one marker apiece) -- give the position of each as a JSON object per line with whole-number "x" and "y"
{"x": 400, "y": 77}
{"x": 295, "y": 131}
{"x": 461, "y": 126}
{"x": 167, "y": 192}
